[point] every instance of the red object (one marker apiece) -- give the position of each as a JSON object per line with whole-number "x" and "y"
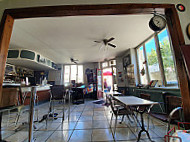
{"x": 180, "y": 7}
{"x": 107, "y": 73}
{"x": 173, "y": 130}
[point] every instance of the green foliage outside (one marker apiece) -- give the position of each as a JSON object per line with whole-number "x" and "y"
{"x": 166, "y": 56}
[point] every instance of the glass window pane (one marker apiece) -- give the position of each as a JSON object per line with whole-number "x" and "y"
{"x": 167, "y": 57}
{"x": 73, "y": 72}
{"x": 27, "y": 54}
{"x": 80, "y": 73}
{"x": 105, "y": 64}
{"x": 67, "y": 74}
{"x": 13, "y": 54}
{"x": 142, "y": 68}
{"x": 152, "y": 60}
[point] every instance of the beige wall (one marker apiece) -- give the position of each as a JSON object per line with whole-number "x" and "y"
{"x": 184, "y": 16}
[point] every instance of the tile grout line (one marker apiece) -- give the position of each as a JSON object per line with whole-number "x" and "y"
{"x": 92, "y": 122}
{"x": 55, "y": 130}
{"x": 76, "y": 124}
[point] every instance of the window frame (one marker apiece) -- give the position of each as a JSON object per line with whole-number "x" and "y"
{"x": 76, "y": 74}
{"x": 159, "y": 56}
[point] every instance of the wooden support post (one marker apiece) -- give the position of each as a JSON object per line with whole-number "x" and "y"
{"x": 177, "y": 41}
{"x": 5, "y": 37}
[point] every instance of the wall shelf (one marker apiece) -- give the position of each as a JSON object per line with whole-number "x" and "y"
{"x": 30, "y": 59}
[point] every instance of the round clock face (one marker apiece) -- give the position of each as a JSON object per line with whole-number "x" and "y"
{"x": 159, "y": 21}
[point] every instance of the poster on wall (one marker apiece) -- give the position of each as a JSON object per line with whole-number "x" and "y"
{"x": 120, "y": 77}
{"x": 89, "y": 74}
{"x": 126, "y": 61}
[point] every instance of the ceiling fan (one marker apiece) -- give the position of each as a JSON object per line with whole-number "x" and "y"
{"x": 107, "y": 42}
{"x": 74, "y": 60}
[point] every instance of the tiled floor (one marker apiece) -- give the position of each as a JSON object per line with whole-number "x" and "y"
{"x": 88, "y": 122}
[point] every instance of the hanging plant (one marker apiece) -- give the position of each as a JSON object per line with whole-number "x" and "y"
{"x": 142, "y": 71}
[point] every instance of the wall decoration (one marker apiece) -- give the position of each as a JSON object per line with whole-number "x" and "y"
{"x": 153, "y": 83}
{"x": 120, "y": 77}
{"x": 188, "y": 31}
{"x": 142, "y": 71}
{"x": 130, "y": 75}
{"x": 91, "y": 75}
{"x": 126, "y": 61}
{"x": 180, "y": 7}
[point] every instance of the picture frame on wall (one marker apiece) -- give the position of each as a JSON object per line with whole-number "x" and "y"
{"x": 126, "y": 61}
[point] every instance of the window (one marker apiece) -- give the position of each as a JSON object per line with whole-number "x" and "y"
{"x": 67, "y": 74}
{"x": 152, "y": 60}
{"x": 155, "y": 61}
{"x": 105, "y": 64}
{"x": 73, "y": 72}
{"x": 80, "y": 73}
{"x": 167, "y": 58}
{"x": 142, "y": 67}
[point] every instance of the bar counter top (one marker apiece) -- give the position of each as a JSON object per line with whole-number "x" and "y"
{"x": 28, "y": 88}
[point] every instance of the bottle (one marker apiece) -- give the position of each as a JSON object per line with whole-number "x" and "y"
{"x": 23, "y": 82}
{"x": 27, "y": 81}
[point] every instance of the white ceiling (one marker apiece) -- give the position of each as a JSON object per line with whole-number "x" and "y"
{"x": 61, "y": 38}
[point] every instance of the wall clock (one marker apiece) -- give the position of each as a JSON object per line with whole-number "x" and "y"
{"x": 157, "y": 23}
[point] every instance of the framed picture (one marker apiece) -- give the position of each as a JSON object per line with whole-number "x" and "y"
{"x": 126, "y": 61}
{"x": 153, "y": 83}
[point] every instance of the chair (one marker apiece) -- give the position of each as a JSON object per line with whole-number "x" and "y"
{"x": 26, "y": 95}
{"x": 57, "y": 94}
{"x": 10, "y": 99}
{"x": 171, "y": 102}
{"x": 119, "y": 110}
{"x": 173, "y": 111}
{"x": 148, "y": 97}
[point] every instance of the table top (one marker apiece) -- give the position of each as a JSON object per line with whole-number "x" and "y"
{"x": 12, "y": 84}
{"x": 113, "y": 93}
{"x": 134, "y": 101}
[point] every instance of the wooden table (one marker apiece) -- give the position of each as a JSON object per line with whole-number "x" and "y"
{"x": 135, "y": 102}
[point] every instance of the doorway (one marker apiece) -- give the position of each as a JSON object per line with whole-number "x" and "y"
{"x": 107, "y": 80}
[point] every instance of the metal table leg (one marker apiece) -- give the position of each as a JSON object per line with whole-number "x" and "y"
{"x": 31, "y": 114}
{"x": 142, "y": 126}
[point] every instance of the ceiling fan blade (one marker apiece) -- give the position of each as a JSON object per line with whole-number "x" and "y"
{"x": 97, "y": 41}
{"x": 112, "y": 38}
{"x": 114, "y": 46}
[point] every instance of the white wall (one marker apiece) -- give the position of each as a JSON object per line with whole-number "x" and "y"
{"x": 134, "y": 62}
{"x": 122, "y": 78}
{"x": 56, "y": 75}
{"x": 184, "y": 17}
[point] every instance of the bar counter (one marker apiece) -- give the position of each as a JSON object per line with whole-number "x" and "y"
{"x": 43, "y": 92}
